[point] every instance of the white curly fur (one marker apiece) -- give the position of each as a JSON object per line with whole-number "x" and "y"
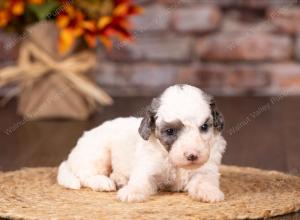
{"x": 113, "y": 155}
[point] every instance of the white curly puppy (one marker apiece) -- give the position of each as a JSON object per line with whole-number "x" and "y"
{"x": 177, "y": 146}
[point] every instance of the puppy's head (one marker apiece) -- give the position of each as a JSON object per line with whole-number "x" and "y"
{"x": 185, "y": 120}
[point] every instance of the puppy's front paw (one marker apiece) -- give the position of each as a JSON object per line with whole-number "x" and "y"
{"x": 130, "y": 194}
{"x": 100, "y": 183}
{"x": 206, "y": 193}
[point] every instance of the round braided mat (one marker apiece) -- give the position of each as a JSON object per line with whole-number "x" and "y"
{"x": 32, "y": 193}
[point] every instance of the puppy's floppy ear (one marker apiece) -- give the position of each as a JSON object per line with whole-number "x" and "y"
{"x": 147, "y": 125}
{"x": 218, "y": 120}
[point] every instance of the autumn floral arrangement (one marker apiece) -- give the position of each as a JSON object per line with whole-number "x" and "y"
{"x": 56, "y": 51}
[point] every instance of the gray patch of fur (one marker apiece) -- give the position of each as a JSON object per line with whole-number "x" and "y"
{"x": 147, "y": 125}
{"x": 164, "y": 138}
{"x": 218, "y": 120}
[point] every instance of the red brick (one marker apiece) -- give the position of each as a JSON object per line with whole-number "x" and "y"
{"x": 285, "y": 18}
{"x": 297, "y": 47}
{"x": 154, "y": 75}
{"x": 284, "y": 75}
{"x": 139, "y": 74}
{"x": 154, "y": 18}
{"x": 229, "y": 75}
{"x": 155, "y": 48}
{"x": 246, "y": 77}
{"x": 197, "y": 19}
{"x": 251, "y": 46}
{"x": 207, "y": 75}
{"x": 146, "y": 78}
{"x": 234, "y": 21}
{"x": 257, "y": 4}
{"x": 251, "y": 4}
{"x": 136, "y": 79}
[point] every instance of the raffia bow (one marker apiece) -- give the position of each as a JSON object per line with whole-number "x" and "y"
{"x": 33, "y": 63}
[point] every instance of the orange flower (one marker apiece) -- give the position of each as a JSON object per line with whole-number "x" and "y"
{"x": 10, "y": 9}
{"x": 118, "y": 25}
{"x": 71, "y": 24}
{"x": 4, "y": 18}
{"x": 125, "y": 8}
{"x": 13, "y": 8}
{"x": 38, "y": 2}
{"x": 17, "y": 7}
{"x": 93, "y": 31}
{"x": 90, "y": 32}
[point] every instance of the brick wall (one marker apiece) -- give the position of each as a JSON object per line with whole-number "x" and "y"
{"x": 227, "y": 47}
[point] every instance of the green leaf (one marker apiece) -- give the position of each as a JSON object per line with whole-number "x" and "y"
{"x": 44, "y": 10}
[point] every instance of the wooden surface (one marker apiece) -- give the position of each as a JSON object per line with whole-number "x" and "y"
{"x": 261, "y": 132}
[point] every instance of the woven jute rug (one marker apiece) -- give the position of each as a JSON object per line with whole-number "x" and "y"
{"x": 32, "y": 193}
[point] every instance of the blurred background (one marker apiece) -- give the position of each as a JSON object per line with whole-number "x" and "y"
{"x": 244, "y": 52}
{"x": 227, "y": 47}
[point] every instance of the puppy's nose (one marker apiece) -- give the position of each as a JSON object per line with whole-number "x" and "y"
{"x": 191, "y": 156}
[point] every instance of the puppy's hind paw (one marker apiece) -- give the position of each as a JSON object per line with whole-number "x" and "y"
{"x": 129, "y": 194}
{"x": 101, "y": 183}
{"x": 207, "y": 193}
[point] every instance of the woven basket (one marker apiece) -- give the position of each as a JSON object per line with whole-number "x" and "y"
{"x": 32, "y": 193}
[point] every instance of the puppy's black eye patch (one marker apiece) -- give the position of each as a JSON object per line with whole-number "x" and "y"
{"x": 168, "y": 132}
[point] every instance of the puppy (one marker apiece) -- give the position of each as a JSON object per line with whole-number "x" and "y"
{"x": 177, "y": 146}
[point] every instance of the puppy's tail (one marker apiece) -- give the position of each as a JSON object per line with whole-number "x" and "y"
{"x": 66, "y": 178}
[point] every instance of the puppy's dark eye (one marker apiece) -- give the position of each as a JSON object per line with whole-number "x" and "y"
{"x": 170, "y": 131}
{"x": 204, "y": 127}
